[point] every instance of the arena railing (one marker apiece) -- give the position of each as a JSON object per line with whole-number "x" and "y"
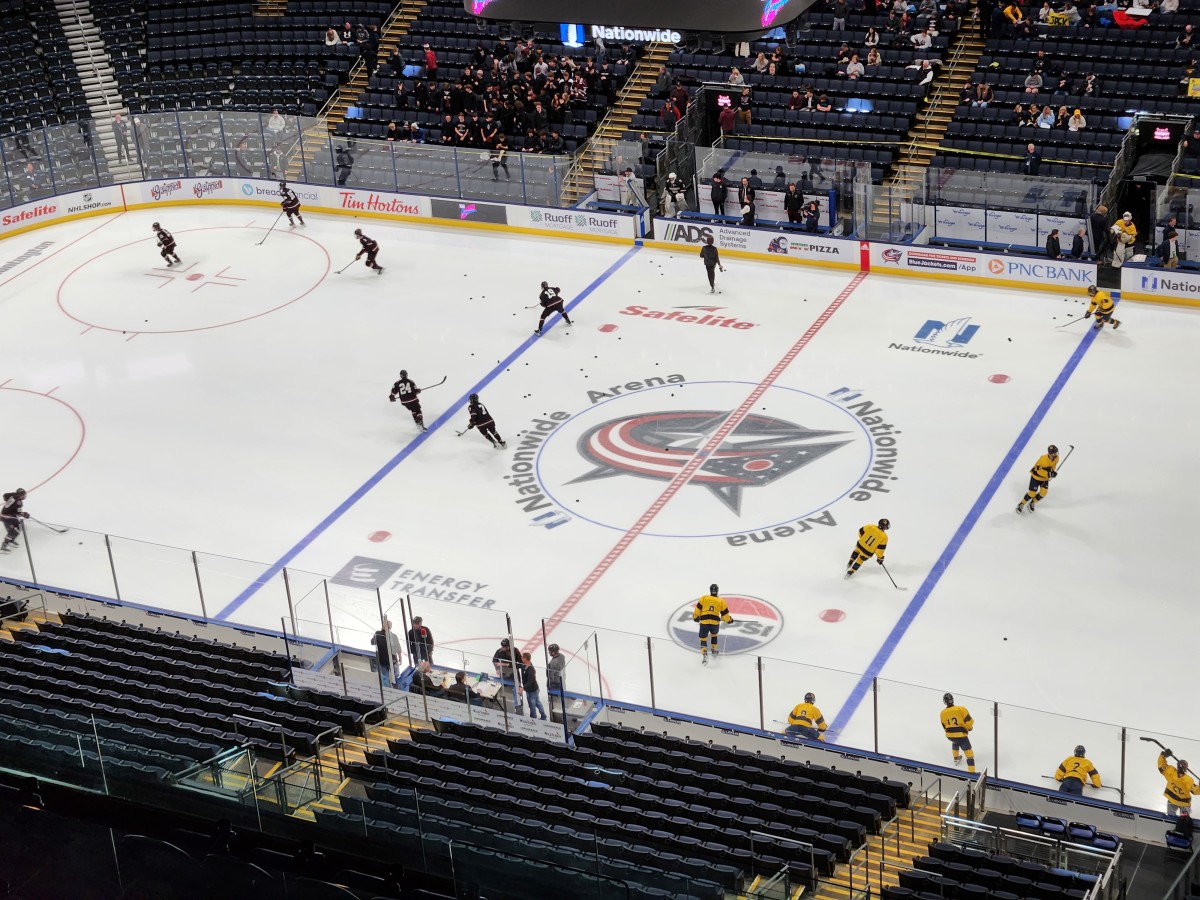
{"x": 60, "y": 159}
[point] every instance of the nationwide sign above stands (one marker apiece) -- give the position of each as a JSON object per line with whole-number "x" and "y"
{"x": 662, "y": 20}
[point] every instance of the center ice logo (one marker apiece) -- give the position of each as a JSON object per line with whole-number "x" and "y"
{"x": 657, "y": 445}
{"x": 956, "y": 333}
{"x": 756, "y": 623}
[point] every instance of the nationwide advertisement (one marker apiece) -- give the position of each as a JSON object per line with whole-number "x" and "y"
{"x": 1157, "y": 283}
{"x": 994, "y": 268}
{"x": 835, "y": 252}
{"x": 573, "y": 221}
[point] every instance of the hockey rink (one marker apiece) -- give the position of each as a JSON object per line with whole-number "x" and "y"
{"x": 237, "y": 405}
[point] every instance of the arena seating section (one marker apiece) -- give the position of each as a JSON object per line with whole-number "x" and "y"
{"x": 213, "y": 55}
{"x": 453, "y": 36}
{"x": 849, "y": 131}
{"x": 38, "y": 82}
{"x": 1137, "y": 70}
{"x": 162, "y": 700}
{"x": 953, "y": 871}
{"x": 655, "y": 807}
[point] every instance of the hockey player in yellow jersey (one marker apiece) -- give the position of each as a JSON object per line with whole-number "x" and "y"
{"x": 1101, "y": 307}
{"x": 872, "y": 539}
{"x": 1075, "y": 771}
{"x": 1039, "y": 478}
{"x": 1181, "y": 786}
{"x": 710, "y": 612}
{"x": 957, "y": 723}
{"x": 806, "y": 720}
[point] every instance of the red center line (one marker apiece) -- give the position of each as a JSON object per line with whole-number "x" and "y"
{"x": 691, "y": 467}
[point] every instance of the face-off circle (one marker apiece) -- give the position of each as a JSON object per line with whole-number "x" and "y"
{"x": 48, "y": 448}
{"x": 131, "y": 289}
{"x": 795, "y": 454}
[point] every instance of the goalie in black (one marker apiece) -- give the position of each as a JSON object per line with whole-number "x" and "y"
{"x": 166, "y": 244}
{"x": 552, "y": 302}
{"x": 482, "y": 420}
{"x": 405, "y": 390}
{"x": 290, "y": 203}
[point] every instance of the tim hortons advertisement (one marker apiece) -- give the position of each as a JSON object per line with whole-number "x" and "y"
{"x": 402, "y": 206}
{"x": 838, "y": 252}
{"x": 936, "y": 262}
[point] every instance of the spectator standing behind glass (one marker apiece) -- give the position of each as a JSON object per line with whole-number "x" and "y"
{"x": 420, "y": 641}
{"x": 387, "y": 653}
{"x": 1032, "y": 162}
{"x": 1168, "y": 250}
{"x": 793, "y": 203}
{"x": 121, "y": 135}
{"x": 746, "y": 202}
{"x": 812, "y": 217}
{"x": 780, "y": 181}
{"x": 1079, "y": 244}
{"x": 718, "y": 192}
{"x": 744, "y": 107}
{"x": 554, "y": 670}
{"x": 1053, "y": 245}
{"x": 674, "y": 195}
{"x": 533, "y": 693}
{"x": 755, "y": 182}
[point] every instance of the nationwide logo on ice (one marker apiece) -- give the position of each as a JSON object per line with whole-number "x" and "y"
{"x": 756, "y": 622}
{"x": 759, "y": 451}
{"x": 948, "y": 337}
{"x": 946, "y": 334}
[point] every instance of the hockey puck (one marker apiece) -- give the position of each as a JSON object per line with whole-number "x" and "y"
{"x": 1010, "y": 340}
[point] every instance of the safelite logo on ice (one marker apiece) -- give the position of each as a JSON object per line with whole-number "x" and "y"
{"x": 709, "y": 316}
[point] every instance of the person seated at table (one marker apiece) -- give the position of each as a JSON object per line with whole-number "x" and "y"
{"x": 461, "y": 692}
{"x": 422, "y": 683}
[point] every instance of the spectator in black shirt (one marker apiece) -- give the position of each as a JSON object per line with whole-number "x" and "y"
{"x": 793, "y": 203}
{"x": 812, "y": 217}
{"x": 1053, "y": 245}
{"x": 746, "y": 202}
{"x": 1032, "y": 162}
{"x": 718, "y": 192}
{"x": 754, "y": 181}
{"x": 1079, "y": 244}
{"x": 502, "y": 660}
{"x": 422, "y": 683}
{"x": 461, "y": 692}
{"x": 420, "y": 641}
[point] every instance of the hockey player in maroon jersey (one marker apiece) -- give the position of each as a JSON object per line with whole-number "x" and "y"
{"x": 482, "y": 419}
{"x": 406, "y": 390}
{"x": 166, "y": 244}
{"x": 369, "y": 247}
{"x": 551, "y": 302}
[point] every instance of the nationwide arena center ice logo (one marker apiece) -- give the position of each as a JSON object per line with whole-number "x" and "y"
{"x": 755, "y": 624}
{"x": 657, "y": 445}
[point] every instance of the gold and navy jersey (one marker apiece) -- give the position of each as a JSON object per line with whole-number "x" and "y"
{"x": 808, "y": 715}
{"x": 956, "y": 721}
{"x": 1102, "y": 302}
{"x": 1043, "y": 467}
{"x": 872, "y": 539}
{"x": 1180, "y": 785}
{"x": 1078, "y": 767}
{"x": 711, "y": 610}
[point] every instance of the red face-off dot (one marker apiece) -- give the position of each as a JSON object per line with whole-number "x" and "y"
{"x": 832, "y": 615}
{"x": 607, "y": 328}
{"x": 998, "y": 379}
{"x": 196, "y": 276}
{"x": 378, "y": 537}
{"x": 757, "y": 465}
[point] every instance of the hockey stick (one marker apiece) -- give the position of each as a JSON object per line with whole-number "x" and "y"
{"x": 346, "y": 266}
{"x": 1103, "y": 787}
{"x": 443, "y": 381}
{"x": 1165, "y": 751}
{"x": 51, "y": 527}
{"x": 890, "y": 578}
{"x": 269, "y": 230}
{"x": 1058, "y": 468}
{"x": 464, "y": 431}
{"x": 1072, "y": 322}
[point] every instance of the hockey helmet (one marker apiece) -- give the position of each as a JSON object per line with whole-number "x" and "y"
{"x": 1080, "y": 750}
{"x": 714, "y": 590}
{"x": 885, "y": 524}
{"x": 156, "y": 226}
{"x": 1092, "y": 289}
{"x": 545, "y": 284}
{"x": 282, "y": 185}
{"x": 19, "y": 493}
{"x": 474, "y": 399}
{"x": 948, "y": 699}
{"x": 358, "y": 232}
{"x": 553, "y": 648}
{"x": 404, "y": 373}
{"x": 810, "y": 697}
{"x": 1052, "y": 450}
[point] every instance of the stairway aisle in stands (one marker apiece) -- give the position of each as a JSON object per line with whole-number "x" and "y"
{"x": 597, "y": 153}
{"x": 902, "y": 840}
{"x": 928, "y": 129}
{"x": 104, "y": 97}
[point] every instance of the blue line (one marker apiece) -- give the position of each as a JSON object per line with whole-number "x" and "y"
{"x": 279, "y": 565}
{"x": 956, "y": 541}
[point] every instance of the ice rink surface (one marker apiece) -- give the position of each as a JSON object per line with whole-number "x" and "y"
{"x": 236, "y": 405}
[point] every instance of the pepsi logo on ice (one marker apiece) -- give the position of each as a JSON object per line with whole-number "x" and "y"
{"x": 756, "y": 623}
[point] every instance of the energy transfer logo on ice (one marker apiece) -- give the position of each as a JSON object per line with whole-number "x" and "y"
{"x": 756, "y": 623}
{"x": 955, "y": 333}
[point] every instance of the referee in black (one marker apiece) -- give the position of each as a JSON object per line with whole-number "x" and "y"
{"x": 712, "y": 261}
